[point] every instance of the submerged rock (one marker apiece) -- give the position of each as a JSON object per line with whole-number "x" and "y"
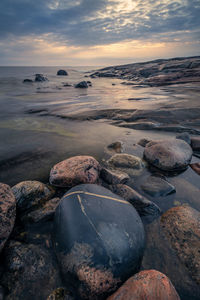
{"x": 143, "y": 142}
{"x": 113, "y": 177}
{"x": 7, "y": 213}
{"x": 157, "y": 186}
{"x": 62, "y": 73}
{"x": 82, "y": 85}
{"x": 116, "y": 147}
{"x": 40, "y": 78}
{"x": 130, "y": 164}
{"x": 182, "y": 228}
{"x": 75, "y": 170}
{"x": 31, "y": 194}
{"x": 104, "y": 248}
{"x": 148, "y": 284}
{"x": 143, "y": 206}
{"x": 168, "y": 155}
{"x": 27, "y": 81}
{"x": 30, "y": 272}
{"x": 196, "y": 167}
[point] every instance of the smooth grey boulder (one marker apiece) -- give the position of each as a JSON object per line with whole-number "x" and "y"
{"x": 168, "y": 155}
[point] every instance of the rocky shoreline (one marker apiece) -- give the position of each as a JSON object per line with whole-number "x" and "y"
{"x": 89, "y": 235}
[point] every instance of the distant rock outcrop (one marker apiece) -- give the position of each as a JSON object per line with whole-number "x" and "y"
{"x": 62, "y": 73}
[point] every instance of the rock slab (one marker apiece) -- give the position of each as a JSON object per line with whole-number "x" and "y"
{"x": 7, "y": 213}
{"x": 157, "y": 186}
{"x": 99, "y": 240}
{"x": 74, "y": 171}
{"x": 168, "y": 155}
{"x": 148, "y": 284}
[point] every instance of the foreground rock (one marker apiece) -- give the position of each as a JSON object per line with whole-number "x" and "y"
{"x": 7, "y": 213}
{"x": 30, "y": 272}
{"x": 104, "y": 248}
{"x": 168, "y": 155}
{"x": 75, "y": 170}
{"x": 82, "y": 85}
{"x": 60, "y": 294}
{"x": 182, "y": 228}
{"x": 143, "y": 206}
{"x": 196, "y": 167}
{"x": 157, "y": 186}
{"x": 113, "y": 177}
{"x": 130, "y": 164}
{"x": 40, "y": 78}
{"x": 62, "y": 73}
{"x": 150, "y": 284}
{"x": 44, "y": 214}
{"x": 195, "y": 143}
{"x": 31, "y": 194}
{"x": 185, "y": 137}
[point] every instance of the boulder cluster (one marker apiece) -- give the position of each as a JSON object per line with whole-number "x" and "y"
{"x": 82, "y": 236}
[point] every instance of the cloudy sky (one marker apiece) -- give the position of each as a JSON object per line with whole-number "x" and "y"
{"x": 97, "y": 32}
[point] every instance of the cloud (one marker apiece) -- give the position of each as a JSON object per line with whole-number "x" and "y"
{"x": 88, "y": 23}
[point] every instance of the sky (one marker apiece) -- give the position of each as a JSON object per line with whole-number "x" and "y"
{"x": 96, "y": 32}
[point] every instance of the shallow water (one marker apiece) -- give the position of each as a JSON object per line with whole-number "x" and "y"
{"x": 32, "y": 143}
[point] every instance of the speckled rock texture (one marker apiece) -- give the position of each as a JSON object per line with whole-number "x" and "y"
{"x": 75, "y": 170}
{"x": 7, "y": 213}
{"x": 148, "y": 284}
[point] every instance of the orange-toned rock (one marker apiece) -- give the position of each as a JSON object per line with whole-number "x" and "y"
{"x": 196, "y": 167}
{"x": 75, "y": 170}
{"x": 7, "y": 213}
{"x": 148, "y": 284}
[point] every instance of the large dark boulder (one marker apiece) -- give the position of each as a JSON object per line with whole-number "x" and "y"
{"x": 81, "y": 85}
{"x": 62, "y": 73}
{"x": 99, "y": 240}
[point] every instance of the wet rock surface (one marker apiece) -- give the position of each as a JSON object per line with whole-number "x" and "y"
{"x": 116, "y": 147}
{"x": 143, "y": 206}
{"x": 168, "y": 155}
{"x": 7, "y": 213}
{"x": 62, "y": 73}
{"x": 31, "y": 194}
{"x": 148, "y": 284}
{"x": 185, "y": 137}
{"x": 40, "y": 78}
{"x": 195, "y": 143}
{"x": 75, "y": 170}
{"x": 130, "y": 164}
{"x": 113, "y": 176}
{"x": 81, "y": 85}
{"x": 60, "y": 294}
{"x": 104, "y": 248}
{"x": 30, "y": 272}
{"x": 182, "y": 228}
{"x": 157, "y": 186}
{"x": 196, "y": 167}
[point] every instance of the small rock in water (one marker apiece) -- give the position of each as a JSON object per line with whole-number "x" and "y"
{"x": 82, "y": 85}
{"x": 148, "y": 284}
{"x": 45, "y": 213}
{"x": 185, "y": 137}
{"x": 75, "y": 170}
{"x": 130, "y": 164}
{"x": 143, "y": 206}
{"x": 195, "y": 143}
{"x": 181, "y": 225}
{"x": 31, "y": 194}
{"x": 40, "y": 78}
{"x": 116, "y": 146}
{"x": 99, "y": 240}
{"x": 30, "y": 272}
{"x": 67, "y": 84}
{"x": 7, "y": 213}
{"x": 143, "y": 142}
{"x": 113, "y": 177}
{"x": 27, "y": 80}
{"x": 157, "y": 186}
{"x": 62, "y": 73}
{"x": 196, "y": 167}
{"x": 168, "y": 155}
